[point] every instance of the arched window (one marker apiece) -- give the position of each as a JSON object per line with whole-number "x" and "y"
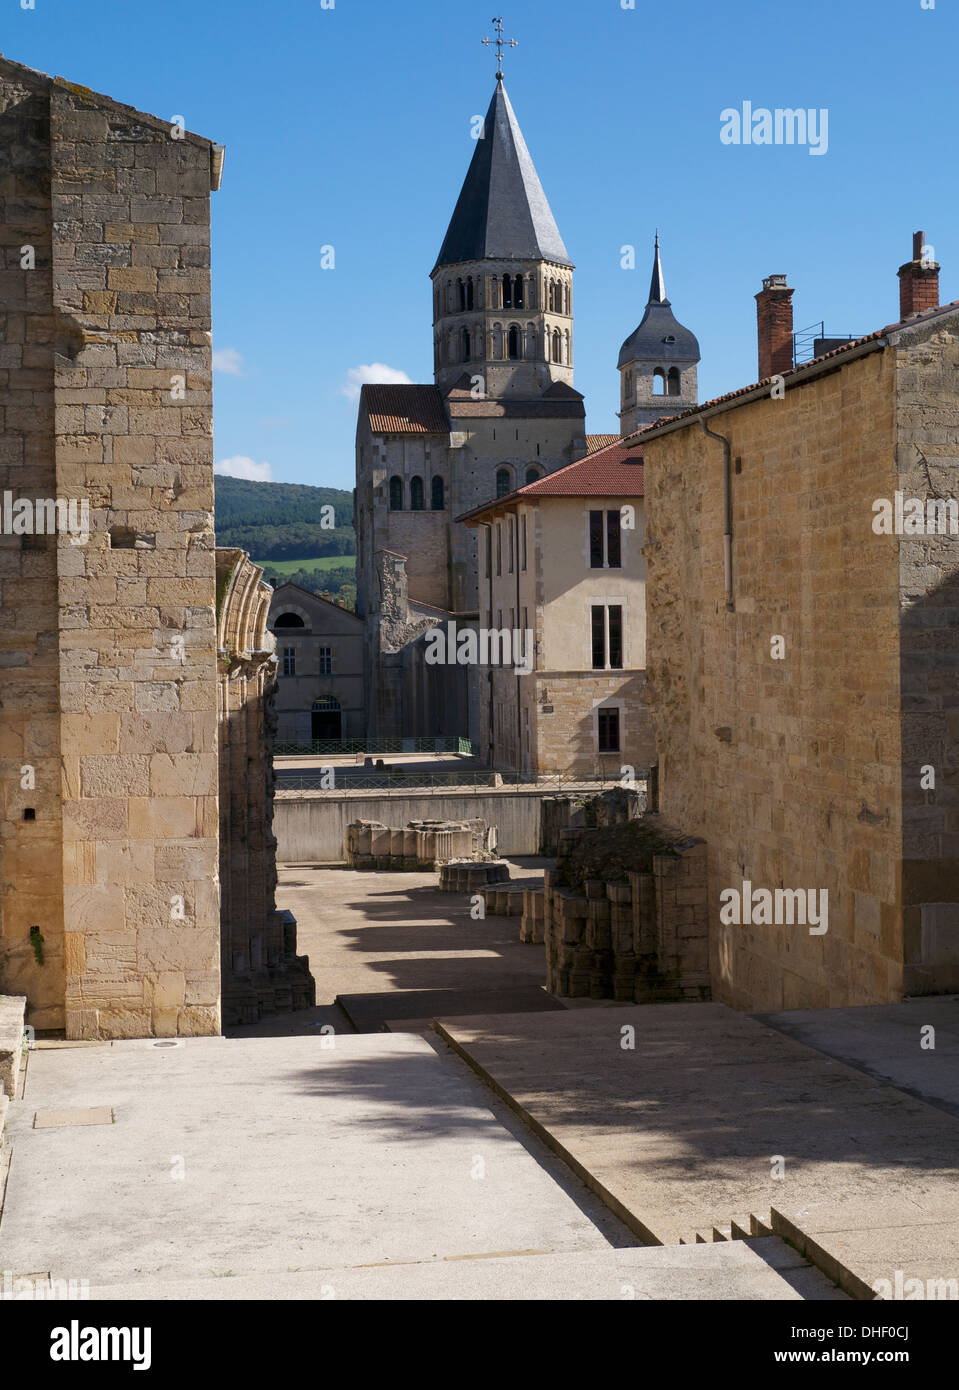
{"x": 507, "y": 292}
{"x": 659, "y": 382}
{"x": 557, "y": 348}
{"x": 566, "y": 295}
{"x": 567, "y": 353}
{"x": 518, "y": 292}
{"x": 462, "y": 294}
{"x": 513, "y": 344}
{"x": 289, "y": 620}
{"x": 416, "y": 493}
{"x": 436, "y": 494}
{"x": 531, "y": 475}
{"x": 396, "y": 493}
{"x": 467, "y": 345}
{"x": 469, "y": 292}
{"x": 504, "y": 482}
{"x": 673, "y": 382}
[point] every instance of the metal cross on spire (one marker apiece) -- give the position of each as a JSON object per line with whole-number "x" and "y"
{"x": 499, "y": 43}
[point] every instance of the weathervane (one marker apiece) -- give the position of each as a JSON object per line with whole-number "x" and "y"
{"x": 499, "y": 41}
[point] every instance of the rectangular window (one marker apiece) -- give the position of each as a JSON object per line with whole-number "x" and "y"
{"x": 608, "y": 730}
{"x": 289, "y": 661}
{"x": 615, "y": 636}
{"x": 326, "y": 661}
{"x": 606, "y": 636}
{"x": 523, "y": 552}
{"x": 596, "y": 540}
{"x": 605, "y": 544}
{"x": 613, "y": 540}
{"x": 599, "y": 637}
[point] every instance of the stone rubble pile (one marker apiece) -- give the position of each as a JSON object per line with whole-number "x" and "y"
{"x": 420, "y": 845}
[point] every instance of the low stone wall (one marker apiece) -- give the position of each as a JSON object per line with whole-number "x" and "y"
{"x": 466, "y": 876}
{"x": 418, "y": 846}
{"x": 643, "y": 939}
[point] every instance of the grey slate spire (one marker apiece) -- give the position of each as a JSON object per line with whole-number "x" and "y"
{"x": 657, "y": 287}
{"x": 660, "y": 337}
{"x": 502, "y": 212}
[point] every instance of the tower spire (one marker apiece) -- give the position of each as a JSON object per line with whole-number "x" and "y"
{"x": 657, "y": 286}
{"x": 498, "y": 43}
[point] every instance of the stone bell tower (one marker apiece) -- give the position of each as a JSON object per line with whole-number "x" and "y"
{"x": 503, "y": 282}
{"x": 657, "y": 362}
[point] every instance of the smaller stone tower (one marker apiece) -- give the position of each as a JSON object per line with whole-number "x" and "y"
{"x": 657, "y": 363}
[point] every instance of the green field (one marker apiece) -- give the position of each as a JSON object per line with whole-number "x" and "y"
{"x": 320, "y": 562}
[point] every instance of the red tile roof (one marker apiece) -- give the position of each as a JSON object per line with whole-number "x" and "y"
{"x": 599, "y": 441}
{"x": 404, "y": 409}
{"x": 613, "y": 471}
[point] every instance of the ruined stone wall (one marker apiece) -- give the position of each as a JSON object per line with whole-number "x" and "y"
{"x": 31, "y": 874}
{"x": 120, "y": 348}
{"x": 790, "y": 769}
{"x": 261, "y": 972}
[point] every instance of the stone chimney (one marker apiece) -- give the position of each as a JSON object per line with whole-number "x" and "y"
{"x": 774, "y": 317}
{"x": 918, "y": 280}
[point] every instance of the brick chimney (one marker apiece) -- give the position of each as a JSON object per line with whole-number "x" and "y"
{"x": 774, "y": 317}
{"x": 918, "y": 280}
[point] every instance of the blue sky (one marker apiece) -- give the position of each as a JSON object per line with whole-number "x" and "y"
{"x": 350, "y": 127}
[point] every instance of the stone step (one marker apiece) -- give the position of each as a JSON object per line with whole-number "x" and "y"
{"x": 758, "y": 1270}
{"x": 12, "y": 1010}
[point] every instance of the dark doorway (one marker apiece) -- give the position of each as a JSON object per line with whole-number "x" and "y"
{"x": 327, "y": 720}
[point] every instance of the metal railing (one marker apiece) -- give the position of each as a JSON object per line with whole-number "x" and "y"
{"x": 440, "y": 743}
{"x": 350, "y": 779}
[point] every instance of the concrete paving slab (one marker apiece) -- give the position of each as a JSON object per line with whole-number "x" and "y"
{"x": 688, "y": 1129}
{"x": 863, "y": 1254}
{"x": 256, "y": 1156}
{"x": 891, "y": 1042}
{"x": 63, "y": 1119}
{"x": 756, "y": 1270}
{"x": 369, "y": 1012}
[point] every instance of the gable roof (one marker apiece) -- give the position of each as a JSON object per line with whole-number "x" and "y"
{"x": 502, "y": 212}
{"x": 826, "y": 362}
{"x": 613, "y": 471}
{"x": 308, "y": 594}
{"x": 404, "y": 409}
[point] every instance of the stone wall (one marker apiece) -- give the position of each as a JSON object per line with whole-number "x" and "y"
{"x": 115, "y": 637}
{"x": 260, "y": 969}
{"x": 643, "y": 938}
{"x": 803, "y": 772}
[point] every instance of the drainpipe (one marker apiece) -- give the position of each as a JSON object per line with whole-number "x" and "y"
{"x": 727, "y": 515}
